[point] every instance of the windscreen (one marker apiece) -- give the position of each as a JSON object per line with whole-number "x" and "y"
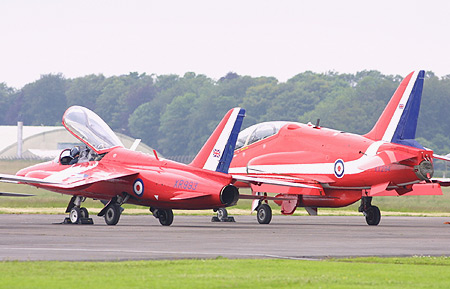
{"x": 258, "y": 132}
{"x": 90, "y": 129}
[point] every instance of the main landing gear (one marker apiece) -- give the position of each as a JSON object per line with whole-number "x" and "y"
{"x": 165, "y": 216}
{"x": 264, "y": 214}
{"x": 372, "y": 213}
{"x": 262, "y": 208}
{"x": 77, "y": 214}
{"x": 112, "y": 210}
{"x": 222, "y": 216}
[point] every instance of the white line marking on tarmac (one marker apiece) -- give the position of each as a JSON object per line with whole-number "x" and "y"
{"x": 158, "y": 252}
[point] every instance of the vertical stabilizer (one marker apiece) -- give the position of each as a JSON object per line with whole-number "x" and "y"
{"x": 217, "y": 153}
{"x": 398, "y": 122}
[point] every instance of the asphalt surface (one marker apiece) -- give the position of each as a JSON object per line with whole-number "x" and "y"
{"x": 39, "y": 237}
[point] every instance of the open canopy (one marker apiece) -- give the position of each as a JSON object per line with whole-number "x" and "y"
{"x": 88, "y": 127}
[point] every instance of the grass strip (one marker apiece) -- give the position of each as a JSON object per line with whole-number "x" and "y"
{"x": 419, "y": 272}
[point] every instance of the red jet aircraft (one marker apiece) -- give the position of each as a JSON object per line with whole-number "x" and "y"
{"x": 107, "y": 171}
{"x": 309, "y": 166}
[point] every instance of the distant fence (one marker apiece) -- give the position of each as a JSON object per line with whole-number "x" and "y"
{"x": 182, "y": 159}
{"x": 28, "y": 158}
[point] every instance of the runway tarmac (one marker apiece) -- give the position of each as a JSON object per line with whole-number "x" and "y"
{"x": 37, "y": 237}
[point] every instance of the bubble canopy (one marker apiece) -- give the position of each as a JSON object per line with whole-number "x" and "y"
{"x": 258, "y": 132}
{"x": 88, "y": 127}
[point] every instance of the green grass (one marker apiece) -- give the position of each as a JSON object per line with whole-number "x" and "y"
{"x": 419, "y": 272}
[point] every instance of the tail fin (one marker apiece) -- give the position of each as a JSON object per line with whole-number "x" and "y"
{"x": 398, "y": 122}
{"x": 217, "y": 153}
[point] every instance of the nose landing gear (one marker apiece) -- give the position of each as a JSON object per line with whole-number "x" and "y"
{"x": 372, "y": 213}
{"x": 77, "y": 214}
{"x": 222, "y": 216}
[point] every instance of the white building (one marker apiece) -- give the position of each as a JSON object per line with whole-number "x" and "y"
{"x": 45, "y": 141}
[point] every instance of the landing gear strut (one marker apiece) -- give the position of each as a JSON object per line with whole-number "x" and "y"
{"x": 113, "y": 210}
{"x": 222, "y": 216}
{"x": 165, "y": 216}
{"x": 372, "y": 213}
{"x": 77, "y": 214}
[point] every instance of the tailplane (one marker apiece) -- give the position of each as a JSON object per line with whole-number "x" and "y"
{"x": 217, "y": 153}
{"x": 398, "y": 122}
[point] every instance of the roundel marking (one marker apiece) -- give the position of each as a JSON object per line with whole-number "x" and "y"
{"x": 138, "y": 187}
{"x": 339, "y": 169}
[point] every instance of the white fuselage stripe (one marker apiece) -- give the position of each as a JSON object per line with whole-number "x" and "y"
{"x": 350, "y": 167}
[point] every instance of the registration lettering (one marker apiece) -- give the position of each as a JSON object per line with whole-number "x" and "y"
{"x": 185, "y": 185}
{"x": 382, "y": 169}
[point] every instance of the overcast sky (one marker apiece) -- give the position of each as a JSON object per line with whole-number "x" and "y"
{"x": 250, "y": 37}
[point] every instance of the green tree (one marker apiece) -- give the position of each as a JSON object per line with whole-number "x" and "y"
{"x": 44, "y": 101}
{"x": 118, "y": 99}
{"x": 174, "y": 129}
{"x": 85, "y": 90}
{"x": 144, "y": 123}
{"x": 7, "y": 102}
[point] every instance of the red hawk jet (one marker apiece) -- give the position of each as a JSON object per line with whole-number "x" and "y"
{"x": 309, "y": 166}
{"x": 103, "y": 169}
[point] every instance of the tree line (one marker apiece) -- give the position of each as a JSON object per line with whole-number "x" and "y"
{"x": 176, "y": 114}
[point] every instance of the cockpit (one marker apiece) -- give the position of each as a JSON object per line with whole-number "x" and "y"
{"x": 88, "y": 127}
{"x": 258, "y": 132}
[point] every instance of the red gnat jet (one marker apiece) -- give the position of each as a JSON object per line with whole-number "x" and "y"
{"x": 103, "y": 169}
{"x": 309, "y": 166}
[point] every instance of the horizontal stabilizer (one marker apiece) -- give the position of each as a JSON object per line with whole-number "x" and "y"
{"x": 444, "y": 182}
{"x": 14, "y": 195}
{"x": 420, "y": 189}
{"x": 444, "y": 158}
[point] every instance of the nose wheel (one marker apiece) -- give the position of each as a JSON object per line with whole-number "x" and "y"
{"x": 372, "y": 213}
{"x": 373, "y": 216}
{"x": 222, "y": 216}
{"x": 77, "y": 214}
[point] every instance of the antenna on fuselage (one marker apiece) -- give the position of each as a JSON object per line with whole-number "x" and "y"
{"x": 317, "y": 123}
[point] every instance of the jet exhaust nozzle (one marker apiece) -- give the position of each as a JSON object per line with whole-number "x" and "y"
{"x": 229, "y": 195}
{"x": 424, "y": 170}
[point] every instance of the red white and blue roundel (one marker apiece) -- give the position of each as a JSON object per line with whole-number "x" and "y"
{"x": 339, "y": 169}
{"x": 138, "y": 187}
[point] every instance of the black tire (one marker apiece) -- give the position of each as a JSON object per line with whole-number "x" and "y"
{"x": 165, "y": 217}
{"x": 264, "y": 214}
{"x": 84, "y": 213}
{"x": 112, "y": 214}
{"x": 222, "y": 214}
{"x": 373, "y": 216}
{"x": 75, "y": 215}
